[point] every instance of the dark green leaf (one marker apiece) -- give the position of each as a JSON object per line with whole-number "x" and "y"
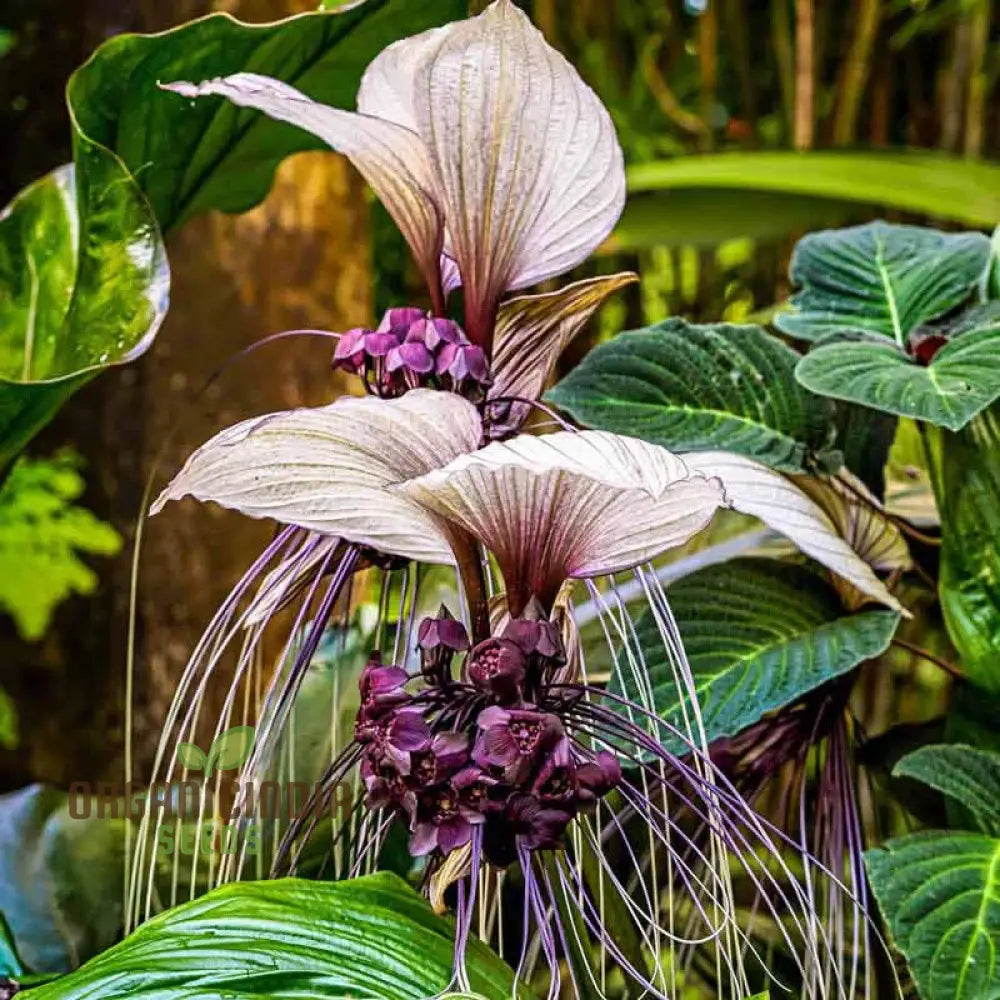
{"x": 967, "y": 488}
{"x": 691, "y": 387}
{"x": 84, "y": 284}
{"x": 946, "y": 187}
{"x": 370, "y": 937}
{"x": 961, "y": 380}
{"x": 10, "y": 964}
{"x": 940, "y": 893}
{"x": 230, "y": 749}
{"x": 864, "y": 438}
{"x": 60, "y": 879}
{"x": 966, "y": 774}
{"x": 881, "y": 279}
{"x": 758, "y": 634}
{"x": 190, "y": 156}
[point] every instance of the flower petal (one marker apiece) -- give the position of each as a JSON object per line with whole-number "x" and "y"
{"x": 753, "y": 489}
{"x": 327, "y": 469}
{"x": 390, "y": 157}
{"x": 569, "y": 505}
{"x": 533, "y": 330}
{"x": 528, "y": 168}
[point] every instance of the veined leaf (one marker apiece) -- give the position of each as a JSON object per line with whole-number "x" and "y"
{"x": 192, "y": 156}
{"x": 84, "y": 280}
{"x": 945, "y": 187}
{"x": 84, "y": 284}
{"x": 967, "y": 774}
{"x": 962, "y": 379}
{"x": 758, "y": 634}
{"x": 940, "y": 893}
{"x": 966, "y": 474}
{"x": 880, "y": 279}
{"x": 369, "y": 937}
{"x": 690, "y": 387}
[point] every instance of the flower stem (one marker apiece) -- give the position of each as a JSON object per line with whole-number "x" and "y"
{"x": 470, "y": 569}
{"x": 948, "y": 668}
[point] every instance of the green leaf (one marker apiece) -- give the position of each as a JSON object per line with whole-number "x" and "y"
{"x": 966, "y": 475}
{"x": 967, "y": 774}
{"x": 690, "y": 387}
{"x": 946, "y": 187}
{"x": 880, "y": 279}
{"x": 43, "y": 535}
{"x": 60, "y": 879}
{"x": 940, "y": 893}
{"x": 707, "y": 217}
{"x": 84, "y": 280}
{"x": 758, "y": 634}
{"x": 192, "y": 757}
{"x": 10, "y": 963}
{"x": 192, "y": 156}
{"x": 230, "y": 749}
{"x": 370, "y": 937}
{"x": 84, "y": 284}
{"x": 962, "y": 379}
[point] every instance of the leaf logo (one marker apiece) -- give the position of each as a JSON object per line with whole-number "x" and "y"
{"x": 229, "y": 751}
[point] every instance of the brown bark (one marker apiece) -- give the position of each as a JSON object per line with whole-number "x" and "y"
{"x": 299, "y": 260}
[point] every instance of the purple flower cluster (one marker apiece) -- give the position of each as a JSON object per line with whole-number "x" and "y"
{"x": 487, "y": 749}
{"x": 411, "y": 348}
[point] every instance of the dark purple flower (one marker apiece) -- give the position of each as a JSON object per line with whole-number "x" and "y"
{"x": 497, "y": 667}
{"x": 516, "y": 741}
{"x": 439, "y": 639}
{"x": 381, "y": 687}
{"x": 539, "y": 637}
{"x": 446, "y": 756}
{"x": 597, "y": 777}
{"x": 442, "y": 822}
{"x": 535, "y": 826}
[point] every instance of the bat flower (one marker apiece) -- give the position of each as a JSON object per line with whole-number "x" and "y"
{"x": 502, "y": 169}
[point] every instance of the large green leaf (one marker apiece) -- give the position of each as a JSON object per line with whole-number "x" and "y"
{"x": 60, "y": 879}
{"x": 881, "y": 279}
{"x": 946, "y": 187}
{"x": 83, "y": 277}
{"x": 190, "y": 156}
{"x": 758, "y": 634}
{"x": 966, "y": 474}
{"x": 692, "y": 387}
{"x": 967, "y": 774}
{"x": 940, "y": 893}
{"x": 961, "y": 380}
{"x": 370, "y": 937}
{"x": 84, "y": 284}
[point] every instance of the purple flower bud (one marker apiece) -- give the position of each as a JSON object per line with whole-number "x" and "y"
{"x": 539, "y": 637}
{"x": 463, "y": 362}
{"x": 439, "y": 639}
{"x": 598, "y": 777}
{"x": 378, "y": 345}
{"x": 349, "y": 354}
{"x": 411, "y": 355}
{"x": 433, "y": 332}
{"x": 497, "y": 667}
{"x": 400, "y": 319}
{"x": 381, "y": 687}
